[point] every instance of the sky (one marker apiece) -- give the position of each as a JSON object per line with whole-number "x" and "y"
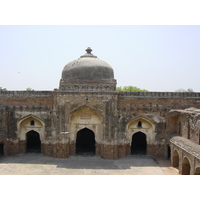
{"x": 151, "y": 57}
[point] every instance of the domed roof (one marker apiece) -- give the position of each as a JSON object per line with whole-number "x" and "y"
{"x": 88, "y": 67}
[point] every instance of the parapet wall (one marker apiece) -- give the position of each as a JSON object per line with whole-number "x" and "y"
{"x": 26, "y": 98}
{"x": 189, "y": 95}
{"x": 121, "y": 94}
{"x": 25, "y": 93}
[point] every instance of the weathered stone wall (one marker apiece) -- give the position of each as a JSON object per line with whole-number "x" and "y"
{"x": 112, "y": 116}
{"x": 185, "y": 122}
{"x": 96, "y": 107}
{"x": 14, "y": 105}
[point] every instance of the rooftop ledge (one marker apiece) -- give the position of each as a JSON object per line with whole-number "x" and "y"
{"x": 187, "y": 95}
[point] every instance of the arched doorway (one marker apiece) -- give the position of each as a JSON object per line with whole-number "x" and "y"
{"x": 33, "y": 143}
{"x": 175, "y": 159}
{"x": 138, "y": 144}
{"x": 168, "y": 152}
{"x": 85, "y": 142}
{"x": 197, "y": 171}
{"x": 186, "y": 167}
{"x": 1, "y": 149}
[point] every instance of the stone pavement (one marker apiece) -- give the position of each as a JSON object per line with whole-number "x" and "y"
{"x": 38, "y": 164}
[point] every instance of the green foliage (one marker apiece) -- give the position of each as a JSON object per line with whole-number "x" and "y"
{"x": 182, "y": 90}
{"x": 29, "y": 89}
{"x": 3, "y": 89}
{"x": 130, "y": 89}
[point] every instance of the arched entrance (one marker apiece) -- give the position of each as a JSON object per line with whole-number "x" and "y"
{"x": 85, "y": 142}
{"x": 138, "y": 144}
{"x": 175, "y": 159}
{"x": 186, "y": 167}
{"x": 33, "y": 143}
{"x": 197, "y": 171}
{"x": 168, "y": 152}
{"x": 1, "y": 149}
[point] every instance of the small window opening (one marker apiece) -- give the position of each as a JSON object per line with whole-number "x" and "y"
{"x": 32, "y": 123}
{"x": 139, "y": 124}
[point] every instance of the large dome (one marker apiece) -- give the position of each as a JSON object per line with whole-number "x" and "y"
{"x": 88, "y": 73}
{"x": 88, "y": 67}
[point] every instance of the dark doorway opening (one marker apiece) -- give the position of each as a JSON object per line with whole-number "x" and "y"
{"x": 33, "y": 143}
{"x": 186, "y": 167}
{"x": 1, "y": 149}
{"x": 85, "y": 142}
{"x": 168, "y": 152}
{"x": 139, "y": 144}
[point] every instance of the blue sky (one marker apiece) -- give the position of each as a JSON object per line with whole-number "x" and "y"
{"x": 156, "y": 58}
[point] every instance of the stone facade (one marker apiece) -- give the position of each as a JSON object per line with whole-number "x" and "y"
{"x": 114, "y": 118}
{"x": 183, "y": 129}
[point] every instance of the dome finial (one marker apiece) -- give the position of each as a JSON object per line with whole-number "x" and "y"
{"x": 88, "y": 50}
{"x": 88, "y": 54}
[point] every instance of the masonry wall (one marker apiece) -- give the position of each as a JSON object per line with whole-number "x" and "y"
{"x": 185, "y": 123}
{"x": 190, "y": 127}
{"x": 116, "y": 109}
{"x": 158, "y": 102}
{"x": 16, "y": 104}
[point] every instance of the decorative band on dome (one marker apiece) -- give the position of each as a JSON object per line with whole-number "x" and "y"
{"x": 88, "y": 54}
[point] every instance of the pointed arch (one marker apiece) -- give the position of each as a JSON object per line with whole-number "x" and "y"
{"x": 33, "y": 142}
{"x": 175, "y": 159}
{"x": 138, "y": 144}
{"x": 197, "y": 171}
{"x": 186, "y": 166}
{"x": 31, "y": 117}
{"x": 146, "y": 126}
{"x": 25, "y": 124}
{"x": 140, "y": 119}
{"x": 86, "y": 117}
{"x": 85, "y": 109}
{"x": 85, "y": 142}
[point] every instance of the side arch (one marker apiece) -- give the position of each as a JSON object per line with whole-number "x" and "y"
{"x": 197, "y": 171}
{"x": 175, "y": 159}
{"x": 138, "y": 144}
{"x": 33, "y": 142}
{"x": 186, "y": 166}
{"x": 30, "y": 123}
{"x": 141, "y": 124}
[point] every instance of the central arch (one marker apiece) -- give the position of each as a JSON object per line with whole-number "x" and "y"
{"x": 138, "y": 144}
{"x": 85, "y": 142}
{"x": 33, "y": 142}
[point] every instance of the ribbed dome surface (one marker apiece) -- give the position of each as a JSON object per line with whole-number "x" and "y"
{"x": 88, "y": 67}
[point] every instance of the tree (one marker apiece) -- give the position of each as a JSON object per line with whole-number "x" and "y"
{"x": 29, "y": 89}
{"x": 182, "y": 90}
{"x": 130, "y": 89}
{"x": 3, "y": 89}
